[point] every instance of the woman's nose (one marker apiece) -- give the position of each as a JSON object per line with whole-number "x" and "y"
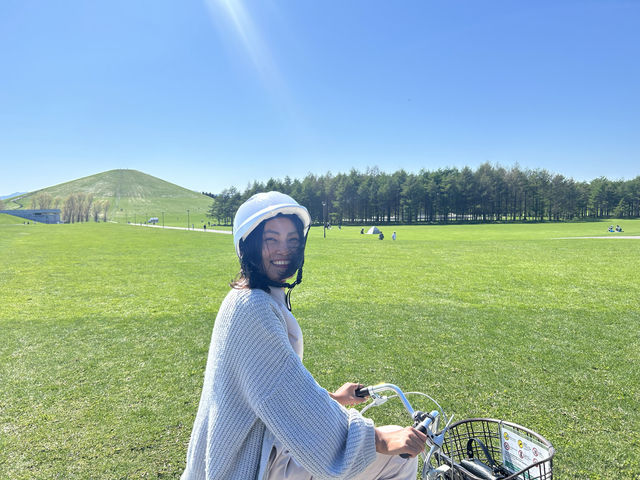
{"x": 282, "y": 247}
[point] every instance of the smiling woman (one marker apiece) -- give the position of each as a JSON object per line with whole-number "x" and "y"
{"x": 262, "y": 415}
{"x": 270, "y": 233}
{"x": 281, "y": 252}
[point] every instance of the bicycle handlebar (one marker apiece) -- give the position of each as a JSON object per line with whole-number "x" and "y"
{"x": 362, "y": 392}
{"x": 425, "y": 423}
{"x": 423, "y": 427}
{"x": 382, "y": 387}
{"x": 428, "y": 424}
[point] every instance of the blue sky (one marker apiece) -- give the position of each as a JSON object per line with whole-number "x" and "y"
{"x": 210, "y": 94}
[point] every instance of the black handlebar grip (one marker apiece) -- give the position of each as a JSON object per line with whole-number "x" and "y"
{"x": 362, "y": 392}
{"x": 420, "y": 428}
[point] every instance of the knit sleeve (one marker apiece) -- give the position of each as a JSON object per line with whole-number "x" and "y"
{"x": 327, "y": 439}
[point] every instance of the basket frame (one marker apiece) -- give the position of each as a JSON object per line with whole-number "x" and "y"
{"x": 487, "y": 430}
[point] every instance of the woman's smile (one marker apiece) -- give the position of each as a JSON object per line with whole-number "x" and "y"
{"x": 281, "y": 263}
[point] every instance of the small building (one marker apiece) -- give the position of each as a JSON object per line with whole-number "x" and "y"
{"x": 39, "y": 216}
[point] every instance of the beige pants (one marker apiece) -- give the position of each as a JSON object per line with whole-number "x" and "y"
{"x": 282, "y": 466}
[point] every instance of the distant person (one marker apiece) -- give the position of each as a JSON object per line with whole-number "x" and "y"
{"x": 381, "y": 236}
{"x": 618, "y": 228}
{"x": 394, "y": 235}
{"x": 261, "y": 414}
{"x": 611, "y": 228}
{"x": 362, "y": 231}
{"x": 205, "y": 228}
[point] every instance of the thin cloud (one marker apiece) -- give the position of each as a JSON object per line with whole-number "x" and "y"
{"x": 235, "y": 13}
{"x": 233, "y": 16}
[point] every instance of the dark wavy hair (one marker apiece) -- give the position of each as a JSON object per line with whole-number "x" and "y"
{"x": 252, "y": 274}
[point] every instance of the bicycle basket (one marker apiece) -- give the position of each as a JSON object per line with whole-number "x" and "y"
{"x": 514, "y": 452}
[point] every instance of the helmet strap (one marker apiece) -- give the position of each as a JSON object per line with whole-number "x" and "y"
{"x": 290, "y": 286}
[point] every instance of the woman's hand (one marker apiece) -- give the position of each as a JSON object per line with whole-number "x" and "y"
{"x": 346, "y": 394}
{"x": 403, "y": 440}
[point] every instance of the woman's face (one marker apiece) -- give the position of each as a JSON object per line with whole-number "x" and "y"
{"x": 280, "y": 244}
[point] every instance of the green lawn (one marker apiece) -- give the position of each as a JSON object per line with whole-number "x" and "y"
{"x": 105, "y": 330}
{"x": 10, "y": 219}
{"x": 175, "y": 211}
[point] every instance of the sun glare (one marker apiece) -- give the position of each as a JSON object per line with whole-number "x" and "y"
{"x": 235, "y": 13}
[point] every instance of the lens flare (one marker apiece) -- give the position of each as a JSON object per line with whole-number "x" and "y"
{"x": 237, "y": 15}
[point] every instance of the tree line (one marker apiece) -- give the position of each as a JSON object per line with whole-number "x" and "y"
{"x": 487, "y": 194}
{"x": 76, "y": 207}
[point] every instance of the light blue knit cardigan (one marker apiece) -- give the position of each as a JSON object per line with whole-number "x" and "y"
{"x": 254, "y": 380}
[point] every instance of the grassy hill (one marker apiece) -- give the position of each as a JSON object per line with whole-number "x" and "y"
{"x": 133, "y": 196}
{"x": 10, "y": 219}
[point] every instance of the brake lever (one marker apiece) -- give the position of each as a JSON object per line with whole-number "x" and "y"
{"x": 436, "y": 441}
{"x": 439, "y": 439}
{"x": 376, "y": 401}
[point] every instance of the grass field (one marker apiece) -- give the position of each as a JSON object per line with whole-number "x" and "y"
{"x": 10, "y": 219}
{"x": 105, "y": 328}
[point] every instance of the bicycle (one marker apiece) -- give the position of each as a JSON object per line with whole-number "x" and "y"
{"x": 474, "y": 448}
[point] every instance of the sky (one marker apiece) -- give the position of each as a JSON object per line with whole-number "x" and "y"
{"x": 210, "y": 94}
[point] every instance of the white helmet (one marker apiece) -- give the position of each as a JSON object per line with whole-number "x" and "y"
{"x": 263, "y": 206}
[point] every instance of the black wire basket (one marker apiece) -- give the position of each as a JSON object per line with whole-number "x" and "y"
{"x": 485, "y": 448}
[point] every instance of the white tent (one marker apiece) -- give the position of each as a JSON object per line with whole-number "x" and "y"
{"x": 373, "y": 230}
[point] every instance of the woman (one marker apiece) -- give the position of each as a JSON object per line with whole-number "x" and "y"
{"x": 261, "y": 414}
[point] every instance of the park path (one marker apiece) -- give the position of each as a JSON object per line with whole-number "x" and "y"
{"x": 622, "y": 237}
{"x": 208, "y": 230}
